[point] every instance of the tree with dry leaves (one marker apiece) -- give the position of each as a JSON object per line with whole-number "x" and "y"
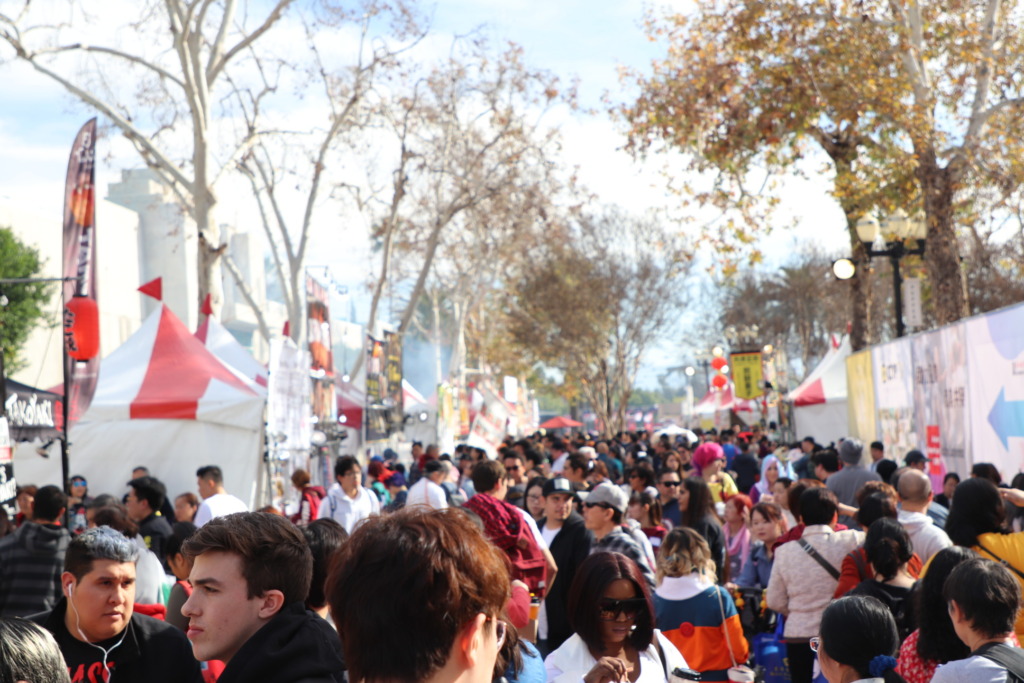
{"x": 911, "y": 103}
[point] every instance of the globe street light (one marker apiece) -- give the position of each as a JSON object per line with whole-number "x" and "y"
{"x": 905, "y": 236}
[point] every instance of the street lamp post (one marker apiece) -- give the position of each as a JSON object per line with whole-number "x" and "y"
{"x": 903, "y": 232}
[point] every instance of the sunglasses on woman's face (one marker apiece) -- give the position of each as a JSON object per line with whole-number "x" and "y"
{"x": 609, "y": 610}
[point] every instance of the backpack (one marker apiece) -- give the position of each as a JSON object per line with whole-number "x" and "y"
{"x": 1007, "y": 656}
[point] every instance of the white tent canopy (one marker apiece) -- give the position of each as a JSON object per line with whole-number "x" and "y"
{"x": 166, "y": 402}
{"x": 820, "y": 402}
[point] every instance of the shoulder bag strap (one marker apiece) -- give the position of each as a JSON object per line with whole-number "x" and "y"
{"x": 661, "y": 653}
{"x": 1007, "y": 656}
{"x": 1002, "y": 561}
{"x": 725, "y": 629}
{"x": 809, "y": 549}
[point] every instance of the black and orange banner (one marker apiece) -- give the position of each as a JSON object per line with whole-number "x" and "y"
{"x": 80, "y": 266}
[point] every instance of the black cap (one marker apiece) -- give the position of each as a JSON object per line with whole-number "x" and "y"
{"x": 915, "y": 456}
{"x": 558, "y": 485}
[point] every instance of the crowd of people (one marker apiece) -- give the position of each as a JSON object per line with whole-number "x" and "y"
{"x": 633, "y": 558}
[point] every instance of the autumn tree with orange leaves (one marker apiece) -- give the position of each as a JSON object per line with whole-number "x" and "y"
{"x": 913, "y": 105}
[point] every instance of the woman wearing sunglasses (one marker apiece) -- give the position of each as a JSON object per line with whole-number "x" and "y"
{"x": 612, "y": 616}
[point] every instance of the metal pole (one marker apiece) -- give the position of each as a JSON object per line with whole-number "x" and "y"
{"x": 897, "y": 283}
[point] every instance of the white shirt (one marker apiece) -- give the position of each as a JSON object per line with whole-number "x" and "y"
{"x": 970, "y": 670}
{"x": 348, "y": 511}
{"x": 425, "y": 492}
{"x": 549, "y": 534}
{"x": 218, "y": 505}
{"x": 572, "y": 660}
{"x": 532, "y": 523}
{"x": 558, "y": 466}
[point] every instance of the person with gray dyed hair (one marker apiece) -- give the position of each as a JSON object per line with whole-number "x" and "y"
{"x": 95, "y": 626}
{"x": 29, "y": 653}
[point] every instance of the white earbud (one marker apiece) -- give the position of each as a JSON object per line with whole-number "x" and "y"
{"x": 70, "y": 589}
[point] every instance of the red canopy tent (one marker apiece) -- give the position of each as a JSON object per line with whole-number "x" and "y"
{"x": 561, "y": 422}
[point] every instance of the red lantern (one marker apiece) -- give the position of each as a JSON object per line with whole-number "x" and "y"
{"x": 718, "y": 362}
{"x": 719, "y": 381}
{"x": 82, "y": 328}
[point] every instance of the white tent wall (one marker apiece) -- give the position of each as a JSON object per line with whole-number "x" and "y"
{"x": 106, "y": 452}
{"x": 824, "y": 421}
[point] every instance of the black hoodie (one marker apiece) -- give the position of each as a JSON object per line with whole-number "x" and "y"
{"x": 31, "y": 562}
{"x": 295, "y": 646}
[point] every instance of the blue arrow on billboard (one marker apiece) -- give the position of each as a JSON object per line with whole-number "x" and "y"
{"x": 1007, "y": 418}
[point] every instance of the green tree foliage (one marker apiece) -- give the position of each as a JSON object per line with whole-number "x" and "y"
{"x": 25, "y": 301}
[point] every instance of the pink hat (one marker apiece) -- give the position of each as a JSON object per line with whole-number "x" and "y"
{"x": 706, "y": 454}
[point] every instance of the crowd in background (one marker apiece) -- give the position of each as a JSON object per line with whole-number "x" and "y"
{"x": 626, "y": 558}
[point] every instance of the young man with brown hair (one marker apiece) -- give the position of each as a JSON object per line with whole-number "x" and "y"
{"x": 251, "y": 574}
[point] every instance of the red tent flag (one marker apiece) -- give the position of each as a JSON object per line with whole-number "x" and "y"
{"x": 154, "y": 288}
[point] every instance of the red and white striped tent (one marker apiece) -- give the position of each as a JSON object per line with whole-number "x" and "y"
{"x": 820, "y": 402}
{"x": 163, "y": 400}
{"x": 224, "y": 346}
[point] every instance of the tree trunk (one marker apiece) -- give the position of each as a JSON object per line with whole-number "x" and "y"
{"x": 942, "y": 256}
{"x": 862, "y": 293}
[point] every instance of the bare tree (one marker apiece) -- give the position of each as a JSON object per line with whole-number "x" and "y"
{"x": 601, "y": 293}
{"x": 167, "y": 83}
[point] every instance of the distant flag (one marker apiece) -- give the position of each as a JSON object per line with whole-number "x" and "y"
{"x": 154, "y": 288}
{"x": 287, "y": 331}
{"x": 207, "y": 307}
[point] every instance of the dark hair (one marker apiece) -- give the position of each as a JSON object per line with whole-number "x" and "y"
{"x": 987, "y": 470}
{"x": 557, "y": 444}
{"x": 593, "y": 577}
{"x": 180, "y": 532}
{"x": 431, "y": 568}
{"x": 887, "y": 545}
{"x": 652, "y": 503}
{"x": 856, "y": 630}
{"x": 104, "y": 500}
{"x": 644, "y": 472}
{"x": 28, "y": 652}
{"x": 987, "y": 594}
{"x": 796, "y": 490}
{"x": 300, "y": 479}
{"x": 49, "y": 503}
{"x": 116, "y": 517}
{"x": 211, "y": 472}
{"x": 343, "y": 464}
{"x": 877, "y": 445}
{"x": 876, "y": 506}
{"x": 937, "y": 639}
{"x": 976, "y": 509}
{"x": 579, "y": 462}
{"x": 770, "y": 512}
{"x": 274, "y": 553}
{"x": 486, "y": 475}
{"x": 818, "y": 505}
{"x": 951, "y": 475}
{"x": 325, "y": 538}
{"x": 827, "y": 458}
{"x": 700, "y": 503}
{"x": 151, "y": 490}
{"x": 886, "y": 468}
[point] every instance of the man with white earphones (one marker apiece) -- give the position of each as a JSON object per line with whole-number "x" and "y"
{"x": 94, "y": 624}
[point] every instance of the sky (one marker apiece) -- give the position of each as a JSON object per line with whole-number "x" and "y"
{"x": 572, "y": 38}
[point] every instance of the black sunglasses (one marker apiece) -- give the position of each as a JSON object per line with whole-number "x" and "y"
{"x": 671, "y": 483}
{"x": 610, "y": 610}
{"x": 597, "y": 505}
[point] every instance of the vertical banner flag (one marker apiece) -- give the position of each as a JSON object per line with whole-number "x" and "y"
{"x": 8, "y": 487}
{"x": 318, "y": 329}
{"x": 747, "y": 375}
{"x": 80, "y": 263}
{"x": 893, "y": 368}
{"x": 940, "y": 399}
{"x": 395, "y": 398}
{"x": 377, "y": 416}
{"x": 860, "y": 383}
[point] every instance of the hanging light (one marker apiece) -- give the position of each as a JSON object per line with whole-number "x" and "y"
{"x": 82, "y": 328}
